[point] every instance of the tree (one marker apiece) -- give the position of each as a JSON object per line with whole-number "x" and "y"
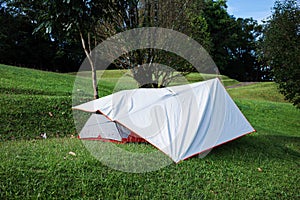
{"x": 243, "y": 64}
{"x": 198, "y": 25}
{"x": 185, "y": 17}
{"x": 21, "y": 48}
{"x": 231, "y": 42}
{"x": 282, "y": 50}
{"x": 64, "y": 20}
{"x": 220, "y": 27}
{"x": 234, "y": 42}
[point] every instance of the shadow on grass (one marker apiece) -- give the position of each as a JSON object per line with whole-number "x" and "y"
{"x": 265, "y": 146}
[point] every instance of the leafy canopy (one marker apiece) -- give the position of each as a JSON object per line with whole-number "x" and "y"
{"x": 282, "y": 49}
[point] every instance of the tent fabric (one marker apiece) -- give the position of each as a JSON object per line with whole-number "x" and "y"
{"x": 98, "y": 127}
{"x": 181, "y": 121}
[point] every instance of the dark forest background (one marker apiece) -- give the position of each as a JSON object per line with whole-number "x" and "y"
{"x": 232, "y": 42}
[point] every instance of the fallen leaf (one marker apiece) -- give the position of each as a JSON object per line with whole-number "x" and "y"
{"x": 259, "y": 169}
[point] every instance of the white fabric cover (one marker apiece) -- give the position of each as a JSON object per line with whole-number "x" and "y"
{"x": 181, "y": 121}
{"x": 99, "y": 126}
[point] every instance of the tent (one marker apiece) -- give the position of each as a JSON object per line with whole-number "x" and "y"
{"x": 99, "y": 127}
{"x": 181, "y": 121}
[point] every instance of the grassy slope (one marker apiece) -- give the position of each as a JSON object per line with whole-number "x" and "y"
{"x": 260, "y": 91}
{"x": 27, "y": 97}
{"x": 43, "y": 168}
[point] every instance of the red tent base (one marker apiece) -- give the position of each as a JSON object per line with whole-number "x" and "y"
{"x": 132, "y": 138}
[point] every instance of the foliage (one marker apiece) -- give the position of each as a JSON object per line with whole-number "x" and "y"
{"x": 157, "y": 13}
{"x": 62, "y": 20}
{"x": 37, "y": 168}
{"x": 244, "y": 64}
{"x": 282, "y": 50}
{"x": 220, "y": 25}
{"x": 234, "y": 42}
{"x": 231, "y": 42}
{"x": 20, "y": 47}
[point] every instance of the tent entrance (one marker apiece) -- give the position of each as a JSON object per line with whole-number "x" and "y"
{"x": 98, "y": 127}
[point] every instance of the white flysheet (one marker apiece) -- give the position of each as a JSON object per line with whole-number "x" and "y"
{"x": 181, "y": 121}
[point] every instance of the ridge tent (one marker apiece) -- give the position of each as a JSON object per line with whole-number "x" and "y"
{"x": 180, "y": 121}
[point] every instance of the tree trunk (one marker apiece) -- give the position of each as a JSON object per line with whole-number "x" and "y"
{"x": 88, "y": 53}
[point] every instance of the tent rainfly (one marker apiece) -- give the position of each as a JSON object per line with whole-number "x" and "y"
{"x": 180, "y": 121}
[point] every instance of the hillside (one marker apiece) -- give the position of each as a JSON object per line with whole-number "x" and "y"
{"x": 33, "y": 94}
{"x": 262, "y": 165}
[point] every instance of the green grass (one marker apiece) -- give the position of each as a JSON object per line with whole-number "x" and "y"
{"x": 260, "y": 91}
{"x": 24, "y": 81}
{"x": 195, "y": 77}
{"x": 33, "y": 168}
{"x": 122, "y": 79}
{"x": 29, "y": 98}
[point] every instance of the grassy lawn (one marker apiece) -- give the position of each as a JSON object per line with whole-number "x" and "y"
{"x": 263, "y": 165}
{"x": 114, "y": 76}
